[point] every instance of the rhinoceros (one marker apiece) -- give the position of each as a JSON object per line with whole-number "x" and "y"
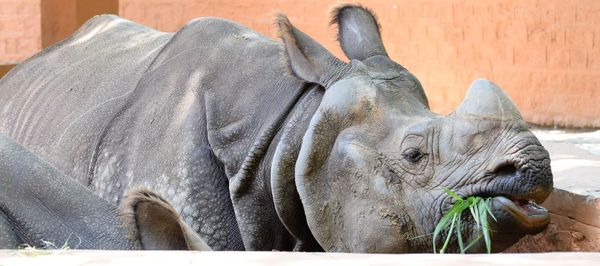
{"x": 263, "y": 145}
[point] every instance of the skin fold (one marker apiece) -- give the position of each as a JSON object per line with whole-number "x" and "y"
{"x": 40, "y": 205}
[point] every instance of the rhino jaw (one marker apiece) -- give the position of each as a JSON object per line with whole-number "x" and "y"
{"x": 526, "y": 215}
{"x": 514, "y": 218}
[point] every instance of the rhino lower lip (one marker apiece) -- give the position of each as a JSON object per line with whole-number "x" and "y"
{"x": 527, "y": 212}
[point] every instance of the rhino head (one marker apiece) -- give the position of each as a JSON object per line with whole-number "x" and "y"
{"x": 370, "y": 172}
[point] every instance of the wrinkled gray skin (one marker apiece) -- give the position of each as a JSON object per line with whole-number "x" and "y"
{"x": 65, "y": 212}
{"x": 265, "y": 146}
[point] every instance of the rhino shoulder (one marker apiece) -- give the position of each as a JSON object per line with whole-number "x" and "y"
{"x": 103, "y": 28}
{"x": 224, "y": 30}
{"x": 108, "y": 24}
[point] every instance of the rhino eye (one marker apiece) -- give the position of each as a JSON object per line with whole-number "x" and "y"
{"x": 412, "y": 155}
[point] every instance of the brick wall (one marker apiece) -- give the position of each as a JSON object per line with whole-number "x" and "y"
{"x": 20, "y": 34}
{"x": 544, "y": 53}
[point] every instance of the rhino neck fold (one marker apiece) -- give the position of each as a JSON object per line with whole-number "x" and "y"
{"x": 251, "y": 185}
{"x": 283, "y": 187}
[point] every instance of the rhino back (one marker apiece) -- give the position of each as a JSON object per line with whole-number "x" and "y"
{"x": 57, "y": 102}
{"x": 216, "y": 85}
{"x": 214, "y": 96}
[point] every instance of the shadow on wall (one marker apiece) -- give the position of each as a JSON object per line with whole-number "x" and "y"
{"x": 60, "y": 18}
{"x": 5, "y": 68}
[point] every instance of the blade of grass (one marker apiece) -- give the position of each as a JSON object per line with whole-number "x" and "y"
{"x": 443, "y": 224}
{"x": 489, "y": 209}
{"x": 448, "y": 235}
{"x": 452, "y": 194}
{"x": 475, "y": 214}
{"x": 473, "y": 242}
{"x": 484, "y": 226}
{"x": 459, "y": 236}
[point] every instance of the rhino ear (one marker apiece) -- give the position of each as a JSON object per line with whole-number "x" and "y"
{"x": 157, "y": 225}
{"x": 358, "y": 32}
{"x": 485, "y": 99}
{"x": 307, "y": 59}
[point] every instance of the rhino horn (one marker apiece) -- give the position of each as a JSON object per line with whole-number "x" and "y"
{"x": 486, "y": 100}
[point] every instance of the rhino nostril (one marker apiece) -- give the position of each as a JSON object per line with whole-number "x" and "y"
{"x": 506, "y": 169}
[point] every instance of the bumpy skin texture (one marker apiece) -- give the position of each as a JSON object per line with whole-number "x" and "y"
{"x": 40, "y": 205}
{"x": 262, "y": 145}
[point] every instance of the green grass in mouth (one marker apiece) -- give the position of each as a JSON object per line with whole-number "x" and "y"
{"x": 450, "y": 223}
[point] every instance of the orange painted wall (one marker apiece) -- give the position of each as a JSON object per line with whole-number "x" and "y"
{"x": 544, "y": 53}
{"x": 60, "y": 18}
{"x": 20, "y": 33}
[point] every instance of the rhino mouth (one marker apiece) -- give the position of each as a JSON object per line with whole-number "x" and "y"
{"x": 514, "y": 217}
{"x": 514, "y": 214}
{"x": 524, "y": 215}
{"x": 515, "y": 194}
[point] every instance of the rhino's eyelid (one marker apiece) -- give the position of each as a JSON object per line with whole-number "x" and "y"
{"x": 419, "y": 140}
{"x": 391, "y": 156}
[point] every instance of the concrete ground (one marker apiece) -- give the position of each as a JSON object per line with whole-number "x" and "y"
{"x": 575, "y": 159}
{"x": 69, "y": 257}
